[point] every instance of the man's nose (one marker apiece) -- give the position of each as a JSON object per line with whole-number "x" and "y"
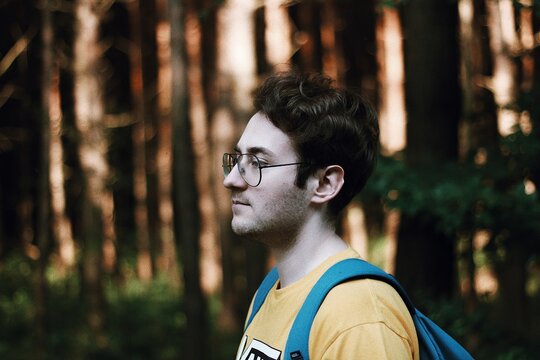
{"x": 234, "y": 180}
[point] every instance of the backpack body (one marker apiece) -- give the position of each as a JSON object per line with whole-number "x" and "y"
{"x": 434, "y": 343}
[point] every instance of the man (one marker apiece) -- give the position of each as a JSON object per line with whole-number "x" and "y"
{"x": 304, "y": 154}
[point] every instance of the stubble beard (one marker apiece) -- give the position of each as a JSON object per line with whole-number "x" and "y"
{"x": 275, "y": 224}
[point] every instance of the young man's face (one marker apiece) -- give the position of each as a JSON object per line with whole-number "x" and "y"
{"x": 275, "y": 209}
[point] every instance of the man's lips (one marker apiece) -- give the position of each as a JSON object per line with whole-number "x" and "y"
{"x": 239, "y": 202}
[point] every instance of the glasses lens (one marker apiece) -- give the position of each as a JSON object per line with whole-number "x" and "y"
{"x": 229, "y": 160}
{"x": 248, "y": 165}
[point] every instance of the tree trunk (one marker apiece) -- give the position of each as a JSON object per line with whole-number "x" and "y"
{"x": 145, "y": 260}
{"x": 185, "y": 201}
{"x": 236, "y": 78}
{"x": 210, "y": 246}
{"x": 425, "y": 258}
{"x": 356, "y": 35}
{"x": 278, "y": 35}
{"x": 92, "y": 148}
{"x": 151, "y": 124}
{"x": 391, "y": 96}
{"x": 504, "y": 46}
{"x": 43, "y": 191}
{"x": 307, "y": 17}
{"x": 167, "y": 258}
{"x": 535, "y": 110}
{"x": 479, "y": 108}
{"x": 512, "y": 275}
{"x": 62, "y": 230}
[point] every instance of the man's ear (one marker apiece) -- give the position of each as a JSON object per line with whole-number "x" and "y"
{"x": 329, "y": 182}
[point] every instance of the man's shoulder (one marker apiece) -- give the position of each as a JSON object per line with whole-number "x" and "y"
{"x": 366, "y": 300}
{"x": 362, "y": 302}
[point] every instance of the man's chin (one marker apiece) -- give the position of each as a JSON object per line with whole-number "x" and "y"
{"x": 241, "y": 231}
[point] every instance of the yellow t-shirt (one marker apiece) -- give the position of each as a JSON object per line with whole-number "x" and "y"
{"x": 359, "y": 319}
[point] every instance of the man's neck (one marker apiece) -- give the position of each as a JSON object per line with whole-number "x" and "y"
{"x": 312, "y": 246}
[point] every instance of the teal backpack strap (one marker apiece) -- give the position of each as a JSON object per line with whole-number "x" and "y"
{"x": 433, "y": 341}
{"x": 263, "y": 290}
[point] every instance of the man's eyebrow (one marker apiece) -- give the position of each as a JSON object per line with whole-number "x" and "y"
{"x": 256, "y": 150}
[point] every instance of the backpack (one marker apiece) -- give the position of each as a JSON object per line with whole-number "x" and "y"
{"x": 434, "y": 343}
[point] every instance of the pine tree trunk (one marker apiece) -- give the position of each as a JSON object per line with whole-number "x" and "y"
{"x": 425, "y": 259}
{"x": 151, "y": 124}
{"x": 185, "y": 198}
{"x": 307, "y": 17}
{"x": 92, "y": 146}
{"x": 235, "y": 79}
{"x": 43, "y": 193}
{"x": 535, "y": 111}
{"x": 479, "y": 108}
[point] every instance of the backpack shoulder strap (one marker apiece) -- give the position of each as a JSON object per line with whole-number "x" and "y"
{"x": 429, "y": 334}
{"x": 298, "y": 340}
{"x": 261, "y": 294}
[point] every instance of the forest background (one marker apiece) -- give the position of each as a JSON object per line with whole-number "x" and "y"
{"x": 114, "y": 228}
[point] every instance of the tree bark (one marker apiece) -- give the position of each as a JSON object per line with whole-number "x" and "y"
{"x": 151, "y": 124}
{"x": 307, "y": 17}
{"x": 356, "y": 30}
{"x": 185, "y": 198}
{"x": 512, "y": 275}
{"x": 235, "y": 79}
{"x": 504, "y": 46}
{"x": 144, "y": 80}
{"x": 89, "y": 113}
{"x": 535, "y": 110}
{"x": 425, "y": 259}
{"x": 43, "y": 192}
{"x": 479, "y": 108}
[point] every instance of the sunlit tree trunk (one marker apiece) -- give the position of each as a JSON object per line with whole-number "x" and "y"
{"x": 504, "y": 46}
{"x": 235, "y": 79}
{"x": 185, "y": 193}
{"x": 391, "y": 81}
{"x": 425, "y": 257}
{"x": 167, "y": 259}
{"x": 505, "y": 83}
{"x": 479, "y": 135}
{"x": 210, "y": 247}
{"x": 92, "y": 148}
{"x": 480, "y": 129}
{"x": 277, "y": 34}
{"x": 61, "y": 225}
{"x": 391, "y": 106}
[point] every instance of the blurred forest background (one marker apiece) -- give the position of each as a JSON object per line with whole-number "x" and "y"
{"x": 114, "y": 226}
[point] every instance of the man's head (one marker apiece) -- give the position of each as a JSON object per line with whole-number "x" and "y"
{"x": 327, "y": 126}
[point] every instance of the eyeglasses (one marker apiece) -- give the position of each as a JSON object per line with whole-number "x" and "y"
{"x": 249, "y": 167}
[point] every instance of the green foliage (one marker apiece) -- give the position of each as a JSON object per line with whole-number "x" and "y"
{"x": 464, "y": 197}
{"x": 478, "y": 333}
{"x": 16, "y": 308}
{"x": 143, "y": 321}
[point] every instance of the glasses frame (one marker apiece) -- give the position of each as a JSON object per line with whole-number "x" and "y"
{"x": 236, "y": 161}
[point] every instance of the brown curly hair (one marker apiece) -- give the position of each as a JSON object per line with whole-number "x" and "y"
{"x": 328, "y": 126}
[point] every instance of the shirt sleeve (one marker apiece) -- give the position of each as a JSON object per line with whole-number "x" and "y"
{"x": 369, "y": 341}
